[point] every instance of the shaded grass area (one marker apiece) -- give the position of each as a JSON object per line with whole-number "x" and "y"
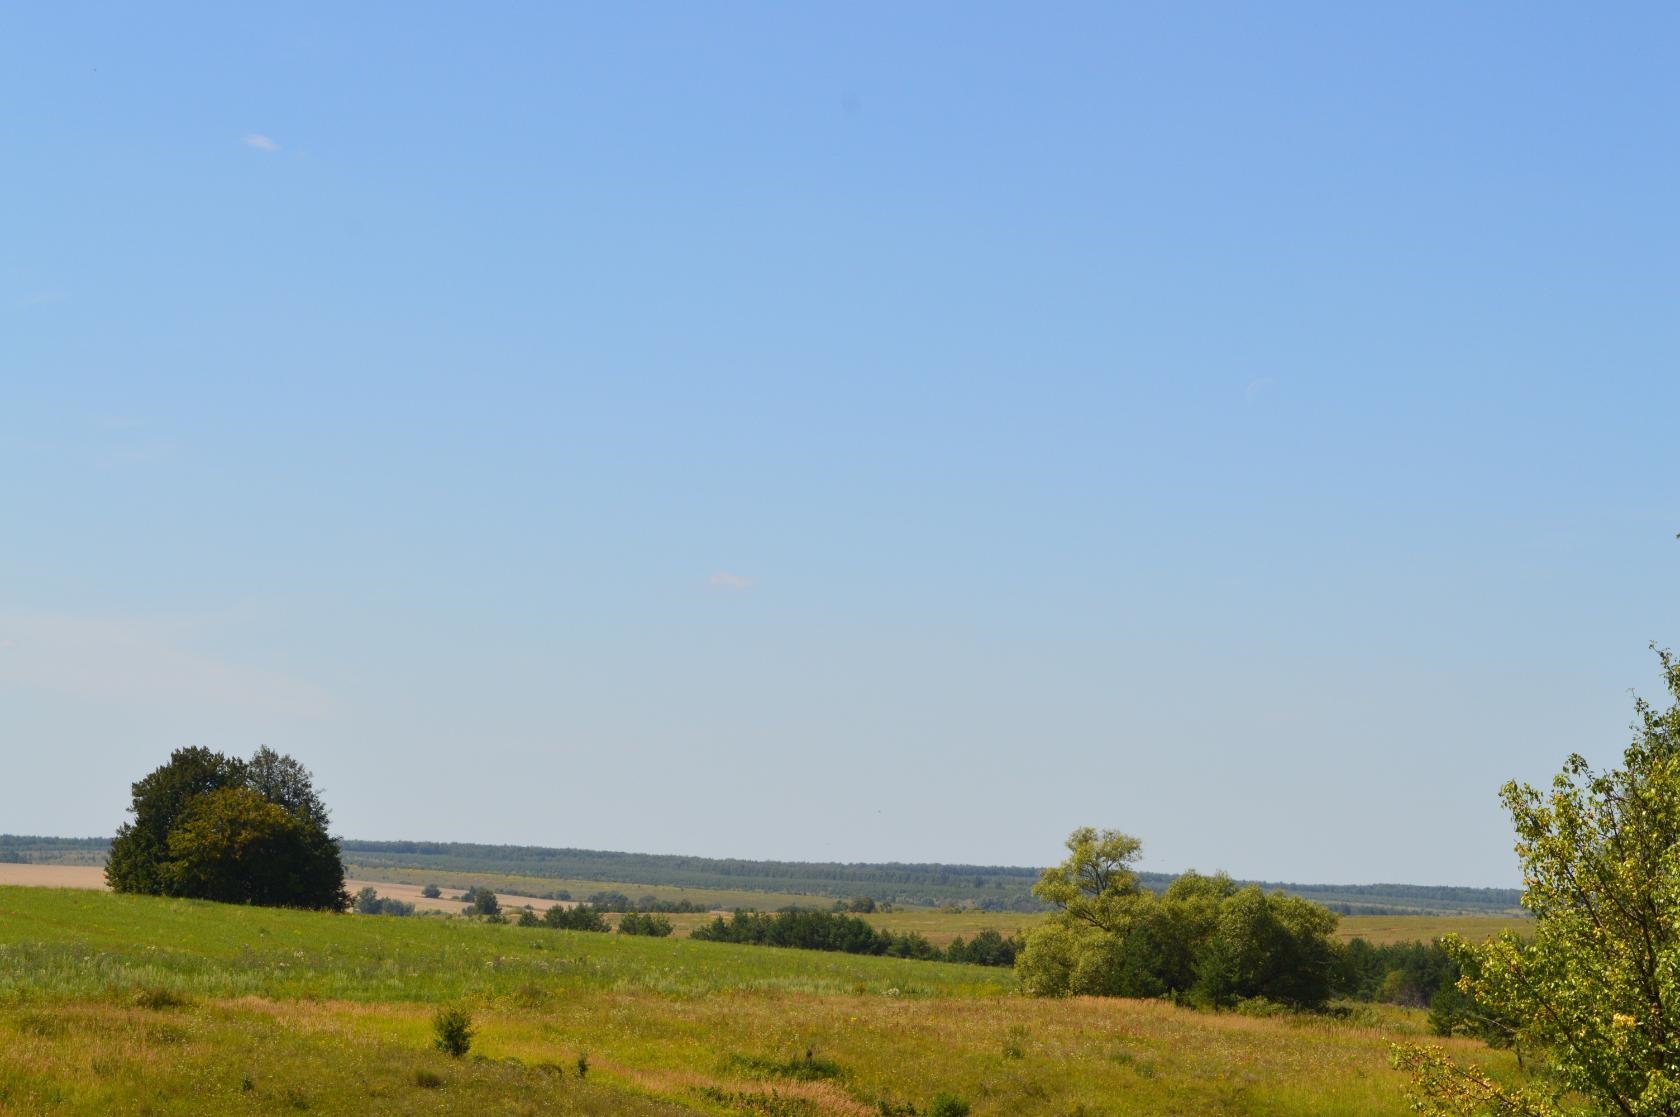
{"x": 121, "y": 1004}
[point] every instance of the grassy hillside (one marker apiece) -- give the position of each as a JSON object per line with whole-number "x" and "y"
{"x": 124, "y": 1004}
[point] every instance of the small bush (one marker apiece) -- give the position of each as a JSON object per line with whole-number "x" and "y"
{"x": 759, "y": 1104}
{"x": 583, "y": 1064}
{"x": 157, "y": 998}
{"x": 810, "y": 1068}
{"x": 428, "y": 1080}
{"x": 947, "y": 1105}
{"x": 452, "y": 1031}
{"x": 431, "y": 892}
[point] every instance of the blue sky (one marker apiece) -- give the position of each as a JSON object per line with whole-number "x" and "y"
{"x": 849, "y": 434}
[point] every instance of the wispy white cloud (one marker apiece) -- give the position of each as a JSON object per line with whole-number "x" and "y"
{"x": 260, "y": 142}
{"x": 1258, "y": 387}
{"x": 147, "y": 663}
{"x": 724, "y": 580}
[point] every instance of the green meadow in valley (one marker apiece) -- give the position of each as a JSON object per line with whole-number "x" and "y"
{"x": 131, "y": 1004}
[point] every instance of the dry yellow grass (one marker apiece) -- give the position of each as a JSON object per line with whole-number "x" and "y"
{"x": 115, "y": 1004}
{"x": 53, "y": 876}
{"x": 1381, "y": 929}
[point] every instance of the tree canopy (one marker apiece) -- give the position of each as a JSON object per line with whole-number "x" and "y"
{"x": 215, "y": 827}
{"x": 1594, "y": 989}
{"x": 1205, "y": 940}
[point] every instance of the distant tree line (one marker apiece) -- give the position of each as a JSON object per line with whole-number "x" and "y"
{"x": 931, "y": 884}
{"x": 985, "y": 887}
{"x": 25, "y": 849}
{"x": 806, "y": 929}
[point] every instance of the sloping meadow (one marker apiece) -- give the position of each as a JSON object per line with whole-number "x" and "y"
{"x": 134, "y": 1004}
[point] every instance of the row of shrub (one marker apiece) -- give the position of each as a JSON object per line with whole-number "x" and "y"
{"x": 619, "y": 902}
{"x": 836, "y": 931}
{"x": 369, "y": 902}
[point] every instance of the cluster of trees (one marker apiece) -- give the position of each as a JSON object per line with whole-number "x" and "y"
{"x": 618, "y": 901}
{"x": 827, "y": 930}
{"x": 579, "y": 918}
{"x": 370, "y": 902}
{"x": 643, "y": 923}
{"x": 860, "y": 905}
{"x": 1204, "y": 940}
{"x": 216, "y": 827}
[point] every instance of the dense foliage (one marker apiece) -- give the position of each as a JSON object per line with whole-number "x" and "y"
{"x": 1595, "y": 989}
{"x": 579, "y": 918}
{"x": 808, "y": 929}
{"x": 639, "y": 923}
{"x": 1205, "y": 939}
{"x": 215, "y": 827}
{"x": 367, "y": 901}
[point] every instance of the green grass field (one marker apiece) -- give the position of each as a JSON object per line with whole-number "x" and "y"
{"x": 1381, "y": 929}
{"x": 125, "y": 1004}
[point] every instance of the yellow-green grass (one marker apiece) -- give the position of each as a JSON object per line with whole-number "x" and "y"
{"x": 714, "y": 898}
{"x": 1381, "y": 929}
{"x": 114, "y": 1004}
{"x": 939, "y": 926}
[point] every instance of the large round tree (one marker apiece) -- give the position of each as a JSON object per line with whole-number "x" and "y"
{"x": 215, "y": 827}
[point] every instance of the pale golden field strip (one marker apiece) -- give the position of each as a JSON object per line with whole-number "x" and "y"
{"x": 718, "y": 899}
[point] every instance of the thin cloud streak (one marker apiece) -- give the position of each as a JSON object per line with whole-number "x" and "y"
{"x": 115, "y": 659}
{"x": 261, "y": 142}
{"x": 724, "y": 580}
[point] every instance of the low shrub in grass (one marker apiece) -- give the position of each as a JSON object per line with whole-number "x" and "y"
{"x": 158, "y": 998}
{"x": 807, "y": 1068}
{"x": 452, "y": 1031}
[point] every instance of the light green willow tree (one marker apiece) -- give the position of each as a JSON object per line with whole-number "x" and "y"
{"x": 1095, "y": 886}
{"x": 1595, "y": 988}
